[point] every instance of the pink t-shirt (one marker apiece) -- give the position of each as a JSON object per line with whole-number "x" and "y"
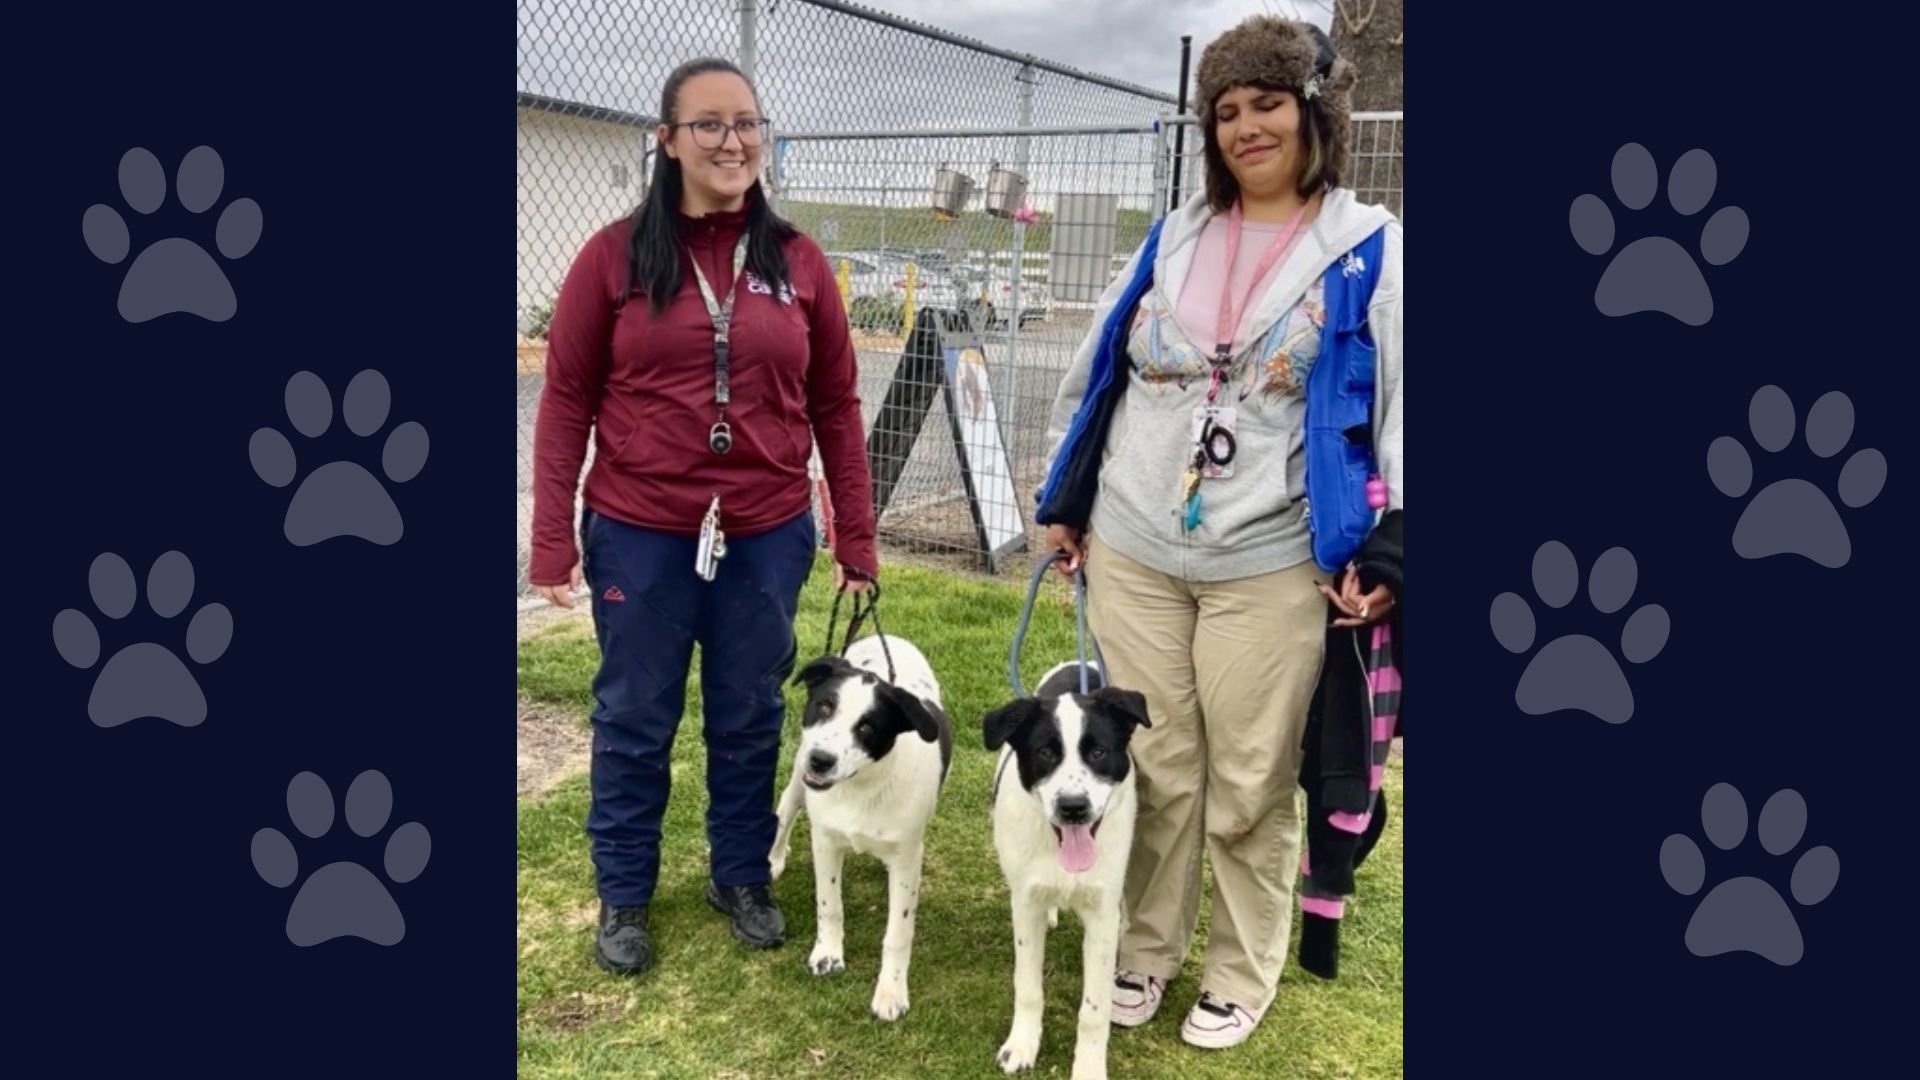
{"x": 1199, "y": 303}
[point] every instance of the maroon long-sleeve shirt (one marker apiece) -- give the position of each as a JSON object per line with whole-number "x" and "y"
{"x": 645, "y": 388}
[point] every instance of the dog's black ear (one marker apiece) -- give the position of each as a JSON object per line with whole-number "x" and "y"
{"x": 999, "y": 725}
{"x": 818, "y": 671}
{"x": 1127, "y": 706}
{"x": 910, "y": 712}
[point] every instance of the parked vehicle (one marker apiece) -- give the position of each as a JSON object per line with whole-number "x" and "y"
{"x": 997, "y": 291}
{"x": 877, "y": 287}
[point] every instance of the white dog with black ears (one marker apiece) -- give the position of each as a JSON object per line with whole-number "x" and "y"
{"x": 871, "y": 760}
{"x": 1062, "y": 826}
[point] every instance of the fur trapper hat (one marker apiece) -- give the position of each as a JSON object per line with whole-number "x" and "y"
{"x": 1295, "y": 56}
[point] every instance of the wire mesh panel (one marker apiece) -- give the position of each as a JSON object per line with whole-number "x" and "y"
{"x": 840, "y": 67}
{"x": 990, "y": 192}
{"x": 1375, "y": 165}
{"x": 949, "y": 426}
{"x": 1376, "y": 168}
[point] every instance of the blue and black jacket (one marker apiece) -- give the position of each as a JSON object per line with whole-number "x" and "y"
{"x": 1339, "y": 436}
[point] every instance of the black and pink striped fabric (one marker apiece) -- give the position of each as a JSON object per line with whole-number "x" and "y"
{"x": 1383, "y": 693}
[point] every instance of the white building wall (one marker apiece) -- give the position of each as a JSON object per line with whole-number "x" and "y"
{"x": 574, "y": 176}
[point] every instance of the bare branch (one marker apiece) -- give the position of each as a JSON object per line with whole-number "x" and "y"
{"x": 1291, "y": 10}
{"x": 1356, "y": 25}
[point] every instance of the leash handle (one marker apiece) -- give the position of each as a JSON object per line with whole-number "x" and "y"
{"x": 1081, "y": 639}
{"x": 855, "y": 615}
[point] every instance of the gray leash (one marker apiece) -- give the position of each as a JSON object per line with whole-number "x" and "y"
{"x": 1081, "y": 640}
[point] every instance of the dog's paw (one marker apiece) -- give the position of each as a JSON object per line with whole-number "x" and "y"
{"x": 825, "y": 961}
{"x": 889, "y": 1000}
{"x": 1089, "y": 1070}
{"x": 1017, "y": 1054}
{"x": 777, "y": 864}
{"x": 1053, "y": 918}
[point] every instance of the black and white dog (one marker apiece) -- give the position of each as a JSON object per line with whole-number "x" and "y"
{"x": 1062, "y": 833}
{"x": 871, "y": 760}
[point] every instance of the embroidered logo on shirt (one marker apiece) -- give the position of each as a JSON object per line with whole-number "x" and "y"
{"x": 1352, "y": 265}
{"x": 613, "y": 595}
{"x": 754, "y": 284}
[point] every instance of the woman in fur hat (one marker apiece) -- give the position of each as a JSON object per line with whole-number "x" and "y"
{"x": 1180, "y": 474}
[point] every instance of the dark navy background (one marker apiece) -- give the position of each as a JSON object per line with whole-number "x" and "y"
{"x": 1542, "y": 940}
{"x": 378, "y": 145}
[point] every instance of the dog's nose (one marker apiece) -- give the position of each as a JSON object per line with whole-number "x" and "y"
{"x": 1073, "y": 808}
{"x": 820, "y": 761}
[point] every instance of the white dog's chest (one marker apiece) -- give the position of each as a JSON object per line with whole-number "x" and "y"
{"x": 859, "y": 826}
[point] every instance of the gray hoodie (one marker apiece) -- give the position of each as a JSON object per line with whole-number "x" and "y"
{"x": 1254, "y": 521}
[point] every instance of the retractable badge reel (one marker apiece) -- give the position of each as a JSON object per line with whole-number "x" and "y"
{"x": 713, "y": 544}
{"x": 720, "y": 436}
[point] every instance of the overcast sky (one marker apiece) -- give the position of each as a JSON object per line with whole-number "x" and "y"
{"x": 821, "y": 69}
{"x": 1134, "y": 40}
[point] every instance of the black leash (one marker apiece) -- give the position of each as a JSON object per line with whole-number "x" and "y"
{"x": 855, "y": 615}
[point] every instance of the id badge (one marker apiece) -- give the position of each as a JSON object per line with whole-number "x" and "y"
{"x": 1223, "y": 419}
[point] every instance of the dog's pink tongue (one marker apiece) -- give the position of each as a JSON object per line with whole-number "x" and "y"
{"x": 1076, "y": 848}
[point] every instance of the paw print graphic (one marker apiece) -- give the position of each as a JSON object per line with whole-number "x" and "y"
{"x": 1655, "y": 273}
{"x": 1748, "y": 914}
{"x": 1575, "y": 671}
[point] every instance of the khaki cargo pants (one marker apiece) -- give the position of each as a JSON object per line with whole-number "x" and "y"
{"x": 1228, "y": 669}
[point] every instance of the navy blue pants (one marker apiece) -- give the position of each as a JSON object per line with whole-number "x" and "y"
{"x": 649, "y": 608}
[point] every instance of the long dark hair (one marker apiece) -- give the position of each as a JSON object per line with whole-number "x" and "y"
{"x": 653, "y": 249}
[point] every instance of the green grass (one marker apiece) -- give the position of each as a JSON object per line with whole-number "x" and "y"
{"x": 712, "y": 1008}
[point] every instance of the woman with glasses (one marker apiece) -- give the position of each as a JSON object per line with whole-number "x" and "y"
{"x": 703, "y": 343}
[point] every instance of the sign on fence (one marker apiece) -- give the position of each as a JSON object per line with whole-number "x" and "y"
{"x": 947, "y": 352}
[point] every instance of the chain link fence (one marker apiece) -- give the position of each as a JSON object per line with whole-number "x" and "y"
{"x": 956, "y": 188}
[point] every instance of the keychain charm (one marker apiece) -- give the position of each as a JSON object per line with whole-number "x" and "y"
{"x": 1190, "y": 493}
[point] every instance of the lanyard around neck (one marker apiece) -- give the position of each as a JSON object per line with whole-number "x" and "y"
{"x": 1229, "y": 319}
{"x": 721, "y": 316}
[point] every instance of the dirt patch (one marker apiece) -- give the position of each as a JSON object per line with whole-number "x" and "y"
{"x": 537, "y": 615}
{"x": 553, "y": 744}
{"x": 578, "y": 1009}
{"x": 553, "y": 740}
{"x": 530, "y": 356}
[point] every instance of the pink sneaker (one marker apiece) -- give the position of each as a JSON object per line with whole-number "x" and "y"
{"x": 1214, "y": 1024}
{"x": 1136, "y": 997}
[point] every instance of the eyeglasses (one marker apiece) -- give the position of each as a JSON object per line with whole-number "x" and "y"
{"x": 712, "y": 134}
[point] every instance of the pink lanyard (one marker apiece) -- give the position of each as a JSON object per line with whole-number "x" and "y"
{"x": 1229, "y": 320}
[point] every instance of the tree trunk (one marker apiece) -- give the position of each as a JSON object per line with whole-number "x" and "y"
{"x": 1370, "y": 34}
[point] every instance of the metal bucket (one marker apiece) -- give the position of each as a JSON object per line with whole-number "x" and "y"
{"x": 950, "y": 191}
{"x": 1006, "y": 192}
